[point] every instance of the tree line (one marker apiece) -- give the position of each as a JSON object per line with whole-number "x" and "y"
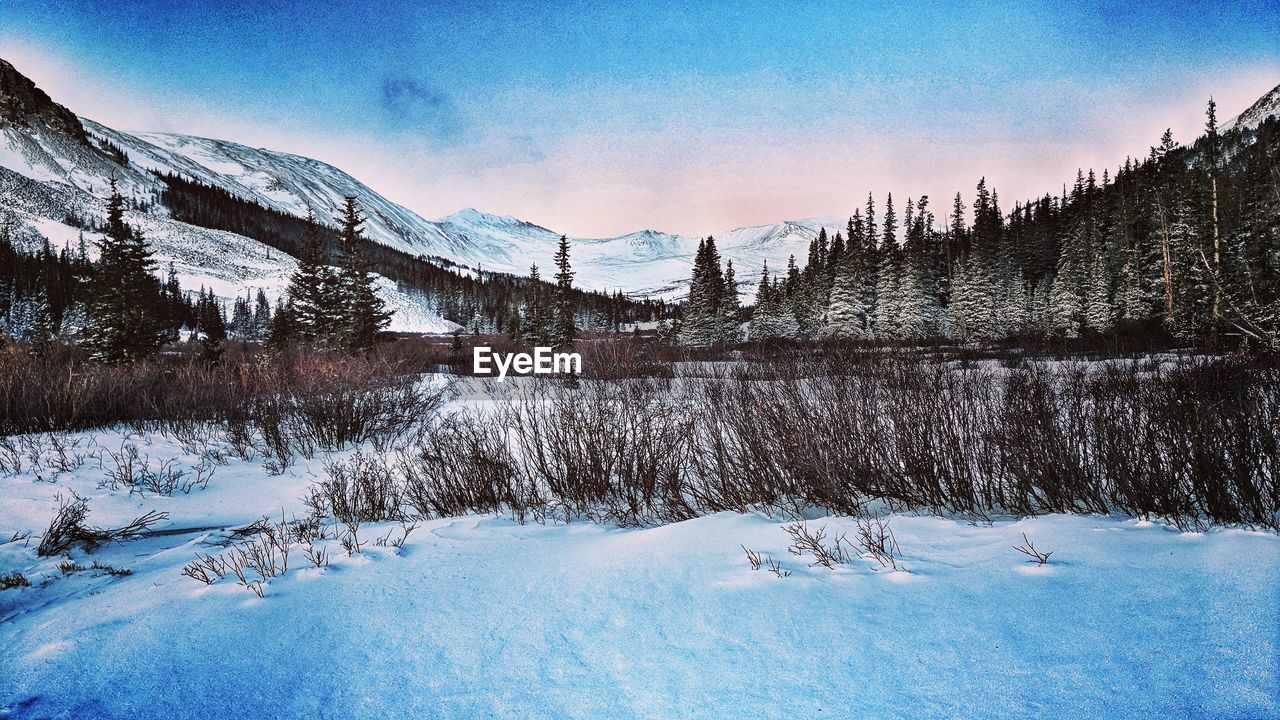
{"x": 1184, "y": 243}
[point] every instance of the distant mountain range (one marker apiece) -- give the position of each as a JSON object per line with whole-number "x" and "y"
{"x": 55, "y": 166}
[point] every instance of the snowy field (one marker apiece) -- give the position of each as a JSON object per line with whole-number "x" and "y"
{"x": 478, "y": 617}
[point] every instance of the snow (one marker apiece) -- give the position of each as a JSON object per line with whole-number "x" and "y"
{"x": 481, "y": 617}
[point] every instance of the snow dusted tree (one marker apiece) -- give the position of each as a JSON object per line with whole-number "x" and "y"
{"x": 1130, "y": 304}
{"x": 1067, "y": 298}
{"x": 919, "y": 310}
{"x": 1099, "y": 311}
{"x": 888, "y": 298}
{"x": 971, "y": 301}
{"x": 1013, "y": 306}
{"x": 771, "y": 320}
{"x": 848, "y": 314}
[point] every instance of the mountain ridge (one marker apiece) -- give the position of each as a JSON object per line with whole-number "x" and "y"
{"x": 62, "y": 148}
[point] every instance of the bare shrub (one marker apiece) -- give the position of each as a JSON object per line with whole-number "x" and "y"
{"x": 317, "y": 556}
{"x": 129, "y": 468}
{"x": 753, "y": 557}
{"x": 266, "y": 556}
{"x": 110, "y": 570}
{"x": 10, "y": 456}
{"x": 350, "y": 539}
{"x": 1028, "y": 548}
{"x": 13, "y": 580}
{"x": 68, "y": 528}
{"x": 461, "y": 466}
{"x": 236, "y": 564}
{"x": 606, "y": 451}
{"x": 332, "y": 402}
{"x": 1189, "y": 440}
{"x": 205, "y": 568}
{"x": 126, "y": 467}
{"x": 875, "y": 540}
{"x": 271, "y": 404}
{"x": 359, "y": 489}
{"x": 64, "y": 452}
{"x": 813, "y": 542}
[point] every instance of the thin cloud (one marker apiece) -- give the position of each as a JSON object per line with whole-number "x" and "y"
{"x": 413, "y": 105}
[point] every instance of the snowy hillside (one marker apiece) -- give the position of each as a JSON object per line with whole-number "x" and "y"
{"x": 55, "y": 171}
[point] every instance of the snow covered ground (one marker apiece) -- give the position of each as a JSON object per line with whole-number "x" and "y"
{"x": 482, "y": 617}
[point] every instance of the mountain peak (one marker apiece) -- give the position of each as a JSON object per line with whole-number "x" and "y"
{"x": 474, "y": 217}
{"x": 1255, "y": 114}
{"x": 22, "y": 103}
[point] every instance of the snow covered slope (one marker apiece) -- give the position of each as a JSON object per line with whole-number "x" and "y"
{"x": 55, "y": 170}
{"x": 1267, "y": 106}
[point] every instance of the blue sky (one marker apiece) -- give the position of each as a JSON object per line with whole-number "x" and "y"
{"x": 601, "y": 118}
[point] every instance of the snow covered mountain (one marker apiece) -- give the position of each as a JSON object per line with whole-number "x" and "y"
{"x": 55, "y": 166}
{"x": 55, "y": 171}
{"x": 647, "y": 263}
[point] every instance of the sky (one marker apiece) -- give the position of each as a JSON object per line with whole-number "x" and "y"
{"x": 601, "y": 118}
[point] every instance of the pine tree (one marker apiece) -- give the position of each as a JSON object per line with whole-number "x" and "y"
{"x": 284, "y": 329}
{"x": 213, "y": 331}
{"x": 702, "y": 316}
{"x": 241, "y": 325}
{"x": 175, "y": 305}
{"x": 1067, "y": 297}
{"x": 1130, "y": 305}
{"x": 564, "y": 332}
{"x": 535, "y": 318}
{"x": 44, "y": 328}
{"x": 1099, "y": 312}
{"x": 121, "y": 317}
{"x": 312, "y": 291}
{"x": 847, "y": 311}
{"x": 363, "y": 314}
{"x": 888, "y": 281}
{"x": 261, "y": 316}
{"x": 770, "y": 320}
{"x": 729, "y": 307}
{"x": 1211, "y": 157}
